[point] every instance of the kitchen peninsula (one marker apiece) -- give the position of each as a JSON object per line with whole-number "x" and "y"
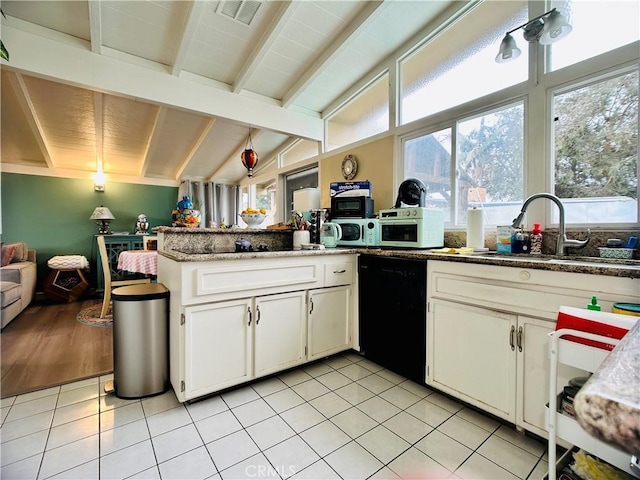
{"x": 235, "y": 317}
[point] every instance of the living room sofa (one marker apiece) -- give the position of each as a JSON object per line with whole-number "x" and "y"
{"x": 17, "y": 280}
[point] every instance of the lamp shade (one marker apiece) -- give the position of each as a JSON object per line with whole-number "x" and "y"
{"x": 555, "y": 28}
{"x": 102, "y": 213}
{"x": 508, "y": 50}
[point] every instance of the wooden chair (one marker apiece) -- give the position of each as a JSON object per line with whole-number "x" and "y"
{"x": 150, "y": 242}
{"x": 108, "y": 283}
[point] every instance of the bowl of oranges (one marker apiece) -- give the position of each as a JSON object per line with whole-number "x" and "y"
{"x": 252, "y": 217}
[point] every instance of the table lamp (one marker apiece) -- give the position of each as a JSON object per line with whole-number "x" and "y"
{"x": 102, "y": 215}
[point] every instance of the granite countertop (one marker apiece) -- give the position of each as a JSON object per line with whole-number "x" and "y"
{"x": 608, "y": 405}
{"x": 622, "y": 268}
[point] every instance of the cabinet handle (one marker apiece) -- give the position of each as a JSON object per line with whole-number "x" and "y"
{"x": 520, "y": 339}
{"x": 257, "y": 315}
{"x": 311, "y": 303}
{"x": 511, "y": 335}
{"x": 339, "y": 271}
{"x": 249, "y": 310}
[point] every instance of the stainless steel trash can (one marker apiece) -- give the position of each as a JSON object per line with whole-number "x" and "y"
{"x": 140, "y": 340}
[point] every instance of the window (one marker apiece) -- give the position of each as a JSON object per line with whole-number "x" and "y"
{"x": 300, "y": 150}
{"x": 596, "y": 150}
{"x": 367, "y": 114}
{"x": 293, "y": 181}
{"x": 598, "y": 27}
{"x": 458, "y": 65}
{"x": 488, "y": 159}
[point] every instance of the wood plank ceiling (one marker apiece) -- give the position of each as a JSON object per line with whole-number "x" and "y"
{"x": 157, "y": 91}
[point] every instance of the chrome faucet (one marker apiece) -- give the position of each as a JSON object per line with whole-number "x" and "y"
{"x": 563, "y": 242}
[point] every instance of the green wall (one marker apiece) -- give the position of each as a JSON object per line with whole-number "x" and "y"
{"x": 51, "y": 214}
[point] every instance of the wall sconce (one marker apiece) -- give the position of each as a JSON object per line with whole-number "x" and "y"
{"x": 103, "y": 216}
{"x": 249, "y": 157}
{"x": 546, "y": 29}
{"x": 99, "y": 181}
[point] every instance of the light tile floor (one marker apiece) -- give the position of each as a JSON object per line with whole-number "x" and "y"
{"x": 343, "y": 417}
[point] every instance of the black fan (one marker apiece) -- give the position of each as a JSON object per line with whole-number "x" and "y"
{"x": 411, "y": 192}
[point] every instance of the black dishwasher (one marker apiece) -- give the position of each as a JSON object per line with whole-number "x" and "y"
{"x": 393, "y": 313}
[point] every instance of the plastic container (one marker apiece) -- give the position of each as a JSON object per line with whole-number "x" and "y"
{"x": 632, "y": 309}
{"x": 536, "y": 240}
{"x": 621, "y": 253}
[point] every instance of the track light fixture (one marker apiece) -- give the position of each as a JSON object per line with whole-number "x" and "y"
{"x": 546, "y": 29}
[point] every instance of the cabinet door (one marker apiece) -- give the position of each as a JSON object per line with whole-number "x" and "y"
{"x": 533, "y": 373}
{"x": 471, "y": 357}
{"x": 280, "y": 332}
{"x": 329, "y": 321}
{"x": 217, "y": 346}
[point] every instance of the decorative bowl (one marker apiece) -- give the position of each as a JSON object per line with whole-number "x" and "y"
{"x": 606, "y": 252}
{"x": 252, "y": 219}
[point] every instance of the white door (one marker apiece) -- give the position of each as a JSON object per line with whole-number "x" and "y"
{"x": 329, "y": 321}
{"x": 217, "y": 346}
{"x": 280, "y": 332}
{"x": 472, "y": 355}
{"x": 533, "y": 373}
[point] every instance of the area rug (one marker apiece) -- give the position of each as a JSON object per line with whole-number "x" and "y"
{"x": 91, "y": 316}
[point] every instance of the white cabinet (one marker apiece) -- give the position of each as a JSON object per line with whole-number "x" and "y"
{"x": 218, "y": 338}
{"x": 471, "y": 357}
{"x": 280, "y": 331}
{"x": 487, "y": 331}
{"x": 232, "y": 321}
{"x": 329, "y": 321}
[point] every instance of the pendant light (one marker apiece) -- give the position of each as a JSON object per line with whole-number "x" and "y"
{"x": 249, "y": 157}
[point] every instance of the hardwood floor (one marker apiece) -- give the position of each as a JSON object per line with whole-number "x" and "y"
{"x": 46, "y": 346}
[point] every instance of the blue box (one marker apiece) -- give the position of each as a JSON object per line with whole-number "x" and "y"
{"x": 350, "y": 189}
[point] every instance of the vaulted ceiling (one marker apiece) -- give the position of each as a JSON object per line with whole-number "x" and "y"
{"x": 157, "y": 91}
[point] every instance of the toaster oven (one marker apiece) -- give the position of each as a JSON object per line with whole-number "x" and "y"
{"x": 412, "y": 227}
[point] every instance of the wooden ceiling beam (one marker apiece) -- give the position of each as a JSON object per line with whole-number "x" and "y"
{"x": 332, "y": 51}
{"x": 30, "y": 113}
{"x": 283, "y": 15}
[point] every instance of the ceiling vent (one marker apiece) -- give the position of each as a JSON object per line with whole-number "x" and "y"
{"x": 243, "y": 11}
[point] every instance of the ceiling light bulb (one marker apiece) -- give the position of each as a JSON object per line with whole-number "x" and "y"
{"x": 508, "y": 50}
{"x": 556, "y": 27}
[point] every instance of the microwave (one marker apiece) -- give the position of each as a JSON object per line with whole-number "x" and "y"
{"x": 346, "y": 206}
{"x": 412, "y": 227}
{"x": 359, "y": 232}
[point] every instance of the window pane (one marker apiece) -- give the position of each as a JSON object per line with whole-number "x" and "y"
{"x": 364, "y": 116}
{"x": 293, "y": 181}
{"x": 459, "y": 65}
{"x": 596, "y": 151}
{"x": 302, "y": 150}
{"x": 598, "y": 27}
{"x": 490, "y": 165}
{"x": 428, "y": 158}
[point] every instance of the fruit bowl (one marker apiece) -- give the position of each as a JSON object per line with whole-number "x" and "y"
{"x": 252, "y": 219}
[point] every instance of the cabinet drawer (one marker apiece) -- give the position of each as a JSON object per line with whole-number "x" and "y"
{"x": 244, "y": 277}
{"x": 338, "y": 274}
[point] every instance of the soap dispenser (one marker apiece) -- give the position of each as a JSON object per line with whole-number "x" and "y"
{"x": 536, "y": 239}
